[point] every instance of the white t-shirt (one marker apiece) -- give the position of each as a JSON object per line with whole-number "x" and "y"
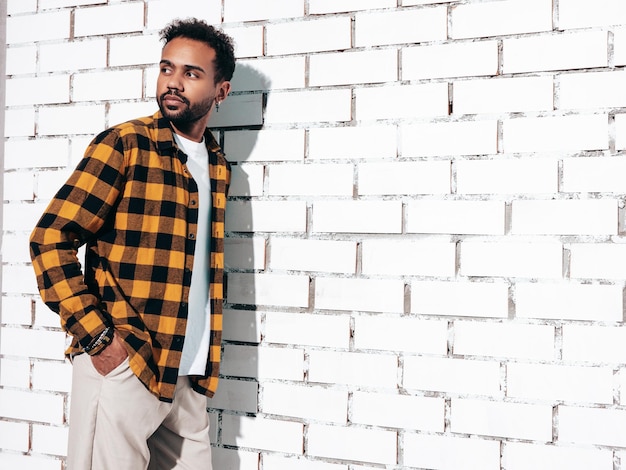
{"x": 198, "y": 333}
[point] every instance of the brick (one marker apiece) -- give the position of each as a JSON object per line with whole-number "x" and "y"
{"x": 246, "y": 180}
{"x": 110, "y": 19}
{"x": 597, "y": 260}
{"x": 73, "y": 55}
{"x": 450, "y": 60}
{"x": 527, "y": 456}
{"x": 309, "y": 106}
{"x": 30, "y": 406}
{"x": 549, "y": 134}
{"x": 279, "y": 462}
{"x": 29, "y": 462}
{"x": 559, "y": 383}
{"x": 15, "y": 373}
{"x": 304, "y": 329}
{"x": 232, "y": 458}
{"x": 23, "y": 218}
{"x": 452, "y": 376}
{"x": 251, "y": 10}
{"x": 458, "y": 217}
{"x": 314, "y": 179}
{"x": 264, "y": 145}
{"x": 19, "y": 122}
{"x": 49, "y": 182}
{"x": 160, "y": 11}
{"x": 52, "y": 376}
{"x": 41, "y": 343}
{"x": 580, "y": 14}
{"x": 266, "y": 216}
{"x": 403, "y": 101}
{"x": 317, "y": 7}
{"x": 353, "y": 142}
{"x": 16, "y": 309}
{"x": 269, "y": 74}
{"x": 268, "y": 289}
{"x": 38, "y": 90}
{"x": 619, "y": 45}
{"x": 110, "y": 85}
{"x": 409, "y": 257}
{"x": 21, "y": 60}
{"x": 401, "y": 27}
{"x": 295, "y": 37}
{"x": 44, "y": 317}
{"x": 449, "y": 138}
{"x": 313, "y": 255}
{"x": 239, "y": 110}
{"x": 122, "y": 112}
{"x": 475, "y": 299}
{"x": 134, "y": 50}
{"x": 511, "y": 259}
{"x": 311, "y": 403}
{"x": 349, "y": 368}
{"x": 236, "y": 395}
{"x": 36, "y": 153}
{"x": 242, "y": 326}
{"x": 507, "y": 176}
{"x": 371, "y": 295}
{"x": 18, "y": 279}
{"x": 513, "y": 420}
{"x": 512, "y": 340}
{"x": 344, "y": 68}
{"x": 18, "y": 186}
{"x": 53, "y": 4}
{"x": 244, "y": 253}
{"x": 14, "y": 436}
{"x": 398, "y": 411}
{"x": 591, "y": 90}
{"x": 451, "y": 452}
{"x": 595, "y": 426}
{"x": 566, "y": 51}
{"x": 369, "y": 445}
{"x": 350, "y": 216}
{"x": 395, "y": 333}
{"x": 501, "y": 18}
{"x": 594, "y": 343}
{"x": 598, "y": 174}
{"x": 39, "y": 27}
{"x": 60, "y": 120}
{"x": 263, "y": 433}
{"x": 21, "y": 6}
{"x": 565, "y": 217}
{"x": 248, "y": 39}
{"x": 263, "y": 362}
{"x": 503, "y": 95}
{"x": 51, "y": 440}
{"x": 568, "y": 301}
{"x": 420, "y": 177}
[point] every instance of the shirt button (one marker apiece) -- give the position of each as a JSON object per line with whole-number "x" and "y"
{"x": 192, "y": 236}
{"x": 193, "y": 202}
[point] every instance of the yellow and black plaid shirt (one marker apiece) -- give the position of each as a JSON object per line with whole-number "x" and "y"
{"x": 134, "y": 204}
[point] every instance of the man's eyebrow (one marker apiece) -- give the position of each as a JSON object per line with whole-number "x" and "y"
{"x": 187, "y": 67}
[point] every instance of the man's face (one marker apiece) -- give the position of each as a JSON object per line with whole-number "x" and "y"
{"x": 186, "y": 88}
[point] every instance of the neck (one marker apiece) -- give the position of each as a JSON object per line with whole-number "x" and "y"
{"x": 193, "y": 131}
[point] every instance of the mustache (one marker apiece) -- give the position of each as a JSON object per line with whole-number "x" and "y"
{"x": 174, "y": 93}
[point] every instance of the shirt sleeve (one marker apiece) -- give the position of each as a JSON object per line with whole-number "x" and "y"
{"x": 75, "y": 214}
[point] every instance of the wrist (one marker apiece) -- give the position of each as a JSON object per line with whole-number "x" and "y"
{"x": 100, "y": 342}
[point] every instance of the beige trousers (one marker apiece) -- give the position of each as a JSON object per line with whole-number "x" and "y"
{"x": 116, "y": 424}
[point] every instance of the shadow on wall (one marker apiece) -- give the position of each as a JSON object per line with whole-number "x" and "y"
{"x": 239, "y": 121}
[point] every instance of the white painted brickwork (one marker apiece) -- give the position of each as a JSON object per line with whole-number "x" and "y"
{"x": 426, "y": 247}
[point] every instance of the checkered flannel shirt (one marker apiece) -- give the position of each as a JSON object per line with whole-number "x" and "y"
{"x": 132, "y": 201}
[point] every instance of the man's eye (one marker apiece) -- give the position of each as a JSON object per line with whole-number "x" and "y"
{"x": 192, "y": 75}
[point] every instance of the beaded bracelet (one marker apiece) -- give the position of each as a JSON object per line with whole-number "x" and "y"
{"x": 105, "y": 338}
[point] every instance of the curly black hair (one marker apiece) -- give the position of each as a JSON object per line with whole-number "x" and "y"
{"x": 199, "y": 30}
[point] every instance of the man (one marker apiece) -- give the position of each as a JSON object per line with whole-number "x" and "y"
{"x": 145, "y": 317}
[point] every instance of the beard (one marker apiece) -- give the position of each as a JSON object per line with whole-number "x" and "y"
{"x": 187, "y": 113}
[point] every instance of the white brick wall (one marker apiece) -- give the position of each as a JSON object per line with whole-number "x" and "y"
{"x": 425, "y": 236}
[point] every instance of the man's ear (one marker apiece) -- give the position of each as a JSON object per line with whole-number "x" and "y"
{"x": 223, "y": 90}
